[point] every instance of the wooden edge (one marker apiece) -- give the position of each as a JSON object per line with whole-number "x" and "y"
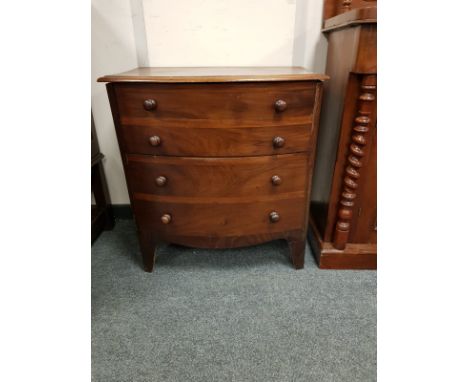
{"x": 313, "y": 150}
{"x": 224, "y": 242}
{"x": 356, "y": 16}
{"x": 210, "y": 79}
{"x": 354, "y": 256}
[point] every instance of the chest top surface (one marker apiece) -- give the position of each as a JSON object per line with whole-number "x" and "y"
{"x": 215, "y": 74}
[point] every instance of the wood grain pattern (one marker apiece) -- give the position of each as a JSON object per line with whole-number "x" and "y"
{"x": 220, "y": 177}
{"x": 219, "y": 242}
{"x": 366, "y": 56}
{"x": 213, "y": 218}
{"x": 224, "y": 105}
{"x": 183, "y": 140}
{"x": 215, "y": 74}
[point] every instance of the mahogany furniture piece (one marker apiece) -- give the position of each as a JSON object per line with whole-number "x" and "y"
{"x": 102, "y": 217}
{"x": 343, "y": 214}
{"x": 217, "y": 157}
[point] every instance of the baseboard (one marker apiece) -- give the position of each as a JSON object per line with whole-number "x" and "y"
{"x": 354, "y": 256}
{"x": 122, "y": 211}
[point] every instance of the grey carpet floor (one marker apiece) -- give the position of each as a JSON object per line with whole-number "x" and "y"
{"x": 227, "y": 315}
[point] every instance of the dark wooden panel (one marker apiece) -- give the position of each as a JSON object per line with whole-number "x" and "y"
{"x": 218, "y": 177}
{"x": 217, "y": 218}
{"x": 329, "y": 9}
{"x": 180, "y": 140}
{"x": 243, "y": 104}
{"x": 366, "y": 59}
{"x": 230, "y": 241}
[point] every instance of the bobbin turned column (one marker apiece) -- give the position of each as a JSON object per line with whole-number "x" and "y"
{"x": 357, "y": 150}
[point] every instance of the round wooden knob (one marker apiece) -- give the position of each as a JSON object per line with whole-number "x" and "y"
{"x": 274, "y": 217}
{"x": 280, "y": 105}
{"x": 166, "y": 218}
{"x": 150, "y": 104}
{"x": 161, "y": 180}
{"x": 276, "y": 180}
{"x": 278, "y": 142}
{"x": 155, "y": 140}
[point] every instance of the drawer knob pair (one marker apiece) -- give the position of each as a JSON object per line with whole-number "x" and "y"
{"x": 161, "y": 181}
{"x": 150, "y": 104}
{"x": 154, "y": 140}
{"x": 166, "y": 218}
{"x": 280, "y": 105}
{"x": 274, "y": 216}
{"x": 278, "y": 142}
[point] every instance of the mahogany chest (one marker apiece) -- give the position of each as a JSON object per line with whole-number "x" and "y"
{"x": 217, "y": 157}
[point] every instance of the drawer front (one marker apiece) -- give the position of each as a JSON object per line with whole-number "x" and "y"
{"x": 241, "y": 104}
{"x": 222, "y": 177}
{"x": 207, "y": 218}
{"x": 180, "y": 140}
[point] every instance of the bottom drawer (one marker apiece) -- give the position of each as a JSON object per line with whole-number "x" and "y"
{"x": 231, "y": 218}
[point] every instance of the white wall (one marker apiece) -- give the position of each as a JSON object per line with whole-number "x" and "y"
{"x": 131, "y": 33}
{"x": 310, "y": 45}
{"x": 219, "y": 33}
{"x": 112, "y": 50}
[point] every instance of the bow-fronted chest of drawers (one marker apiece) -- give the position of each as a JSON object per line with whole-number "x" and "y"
{"x": 217, "y": 157}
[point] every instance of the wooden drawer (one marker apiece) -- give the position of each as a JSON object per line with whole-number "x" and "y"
{"x": 212, "y": 217}
{"x": 185, "y": 140}
{"x": 223, "y": 177}
{"x": 215, "y": 104}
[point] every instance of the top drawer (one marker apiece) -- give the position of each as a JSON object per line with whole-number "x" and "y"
{"x": 239, "y": 104}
